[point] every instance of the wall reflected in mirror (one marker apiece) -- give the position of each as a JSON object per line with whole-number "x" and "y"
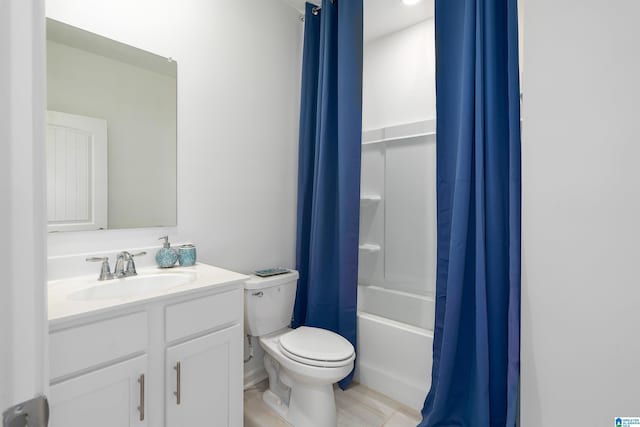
{"x": 111, "y": 133}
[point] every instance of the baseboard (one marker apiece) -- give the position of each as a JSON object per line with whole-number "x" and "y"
{"x": 254, "y": 377}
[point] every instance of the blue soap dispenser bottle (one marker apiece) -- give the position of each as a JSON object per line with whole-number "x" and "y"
{"x": 167, "y": 256}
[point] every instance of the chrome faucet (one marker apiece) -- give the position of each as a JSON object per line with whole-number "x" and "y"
{"x": 130, "y": 270}
{"x": 120, "y": 270}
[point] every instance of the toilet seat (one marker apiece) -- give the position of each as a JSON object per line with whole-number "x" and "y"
{"x": 316, "y": 347}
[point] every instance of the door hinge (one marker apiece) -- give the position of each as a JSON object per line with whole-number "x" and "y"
{"x": 32, "y": 413}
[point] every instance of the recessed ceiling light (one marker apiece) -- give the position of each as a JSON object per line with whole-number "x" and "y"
{"x": 411, "y": 2}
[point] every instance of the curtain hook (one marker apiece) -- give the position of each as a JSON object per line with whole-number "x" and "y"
{"x": 315, "y": 11}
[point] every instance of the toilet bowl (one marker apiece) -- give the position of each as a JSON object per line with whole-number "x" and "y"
{"x": 310, "y": 377}
{"x": 304, "y": 363}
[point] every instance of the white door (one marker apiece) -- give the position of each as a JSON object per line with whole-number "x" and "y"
{"x": 109, "y": 397}
{"x": 23, "y": 311}
{"x": 204, "y": 381}
{"x": 76, "y": 172}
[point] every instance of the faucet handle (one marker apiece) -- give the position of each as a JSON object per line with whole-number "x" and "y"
{"x": 97, "y": 259}
{"x": 131, "y": 265}
{"x": 105, "y": 270}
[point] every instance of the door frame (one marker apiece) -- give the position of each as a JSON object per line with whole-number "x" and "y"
{"x": 23, "y": 238}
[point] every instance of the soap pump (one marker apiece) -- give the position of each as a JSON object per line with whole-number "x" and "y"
{"x": 167, "y": 256}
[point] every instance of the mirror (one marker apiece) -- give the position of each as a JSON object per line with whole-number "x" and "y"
{"x": 111, "y": 133}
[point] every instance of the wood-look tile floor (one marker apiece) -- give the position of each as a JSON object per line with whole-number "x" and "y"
{"x": 358, "y": 406}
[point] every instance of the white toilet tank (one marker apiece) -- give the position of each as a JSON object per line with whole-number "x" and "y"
{"x": 268, "y": 303}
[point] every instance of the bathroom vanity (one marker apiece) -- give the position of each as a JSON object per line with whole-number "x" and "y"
{"x": 160, "y": 348}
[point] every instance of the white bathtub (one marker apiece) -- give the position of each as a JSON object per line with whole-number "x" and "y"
{"x": 395, "y": 357}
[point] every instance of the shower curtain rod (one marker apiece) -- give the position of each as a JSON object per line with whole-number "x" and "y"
{"x": 316, "y": 10}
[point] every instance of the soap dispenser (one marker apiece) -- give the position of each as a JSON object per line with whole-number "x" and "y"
{"x": 167, "y": 256}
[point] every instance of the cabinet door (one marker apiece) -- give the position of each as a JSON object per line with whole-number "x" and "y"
{"x": 204, "y": 381}
{"x": 108, "y": 397}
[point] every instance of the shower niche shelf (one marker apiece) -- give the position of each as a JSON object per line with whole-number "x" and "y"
{"x": 369, "y": 248}
{"x": 370, "y": 199}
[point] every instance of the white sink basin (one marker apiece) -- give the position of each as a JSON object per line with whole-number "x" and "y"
{"x": 133, "y": 286}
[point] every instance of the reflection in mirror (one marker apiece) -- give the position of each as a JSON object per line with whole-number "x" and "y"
{"x": 111, "y": 133}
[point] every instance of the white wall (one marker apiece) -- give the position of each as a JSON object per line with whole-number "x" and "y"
{"x": 139, "y": 106}
{"x": 399, "y": 101}
{"x": 238, "y": 101}
{"x": 581, "y": 213}
{"x": 399, "y": 77}
{"x": 394, "y": 287}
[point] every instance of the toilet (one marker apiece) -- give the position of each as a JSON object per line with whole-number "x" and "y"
{"x": 303, "y": 364}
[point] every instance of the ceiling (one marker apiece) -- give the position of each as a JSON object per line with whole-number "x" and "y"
{"x": 382, "y": 17}
{"x": 300, "y": 4}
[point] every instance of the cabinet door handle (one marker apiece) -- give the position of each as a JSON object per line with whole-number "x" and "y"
{"x": 177, "y": 392}
{"x": 141, "y": 407}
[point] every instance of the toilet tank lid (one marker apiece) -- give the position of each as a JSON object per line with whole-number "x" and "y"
{"x": 256, "y": 282}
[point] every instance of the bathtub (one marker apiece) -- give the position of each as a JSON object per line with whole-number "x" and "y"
{"x": 395, "y": 356}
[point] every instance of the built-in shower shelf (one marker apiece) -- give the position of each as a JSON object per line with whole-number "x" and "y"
{"x": 370, "y": 199}
{"x": 369, "y": 248}
{"x": 401, "y": 138}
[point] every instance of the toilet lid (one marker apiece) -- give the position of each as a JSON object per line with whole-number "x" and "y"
{"x": 317, "y": 347}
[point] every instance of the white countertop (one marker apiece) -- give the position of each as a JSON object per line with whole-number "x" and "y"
{"x": 63, "y": 306}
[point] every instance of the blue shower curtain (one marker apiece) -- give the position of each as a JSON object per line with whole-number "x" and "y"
{"x": 329, "y": 169}
{"x": 476, "y": 353}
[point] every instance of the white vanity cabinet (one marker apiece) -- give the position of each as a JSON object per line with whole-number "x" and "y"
{"x": 173, "y": 361}
{"x": 202, "y": 378}
{"x": 107, "y": 397}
